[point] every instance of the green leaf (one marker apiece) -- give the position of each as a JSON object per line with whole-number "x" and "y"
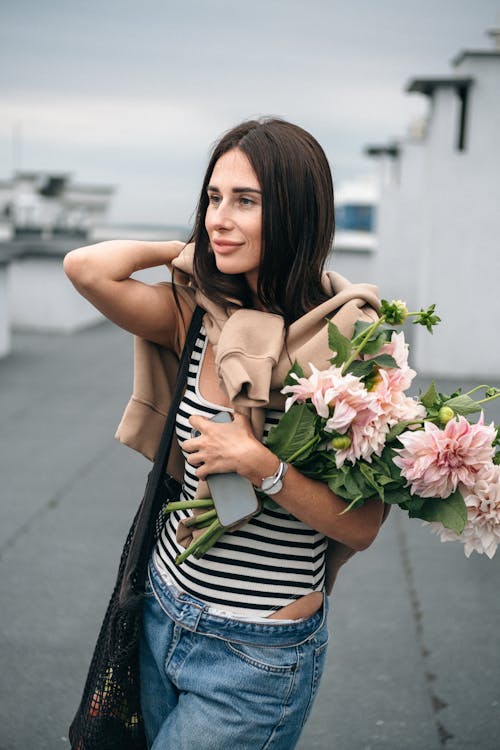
{"x": 361, "y": 369}
{"x": 379, "y": 337}
{"x": 371, "y": 478}
{"x": 451, "y": 512}
{"x": 375, "y": 343}
{"x": 297, "y": 370}
{"x": 430, "y": 398}
{"x": 414, "y": 506}
{"x": 360, "y": 326}
{"x": 397, "y": 496}
{"x": 356, "y": 503}
{"x": 398, "y": 428}
{"x": 385, "y": 360}
{"x": 351, "y": 484}
{"x": 463, "y": 405}
{"x": 295, "y": 428}
{"x": 388, "y": 454}
{"x": 339, "y": 344}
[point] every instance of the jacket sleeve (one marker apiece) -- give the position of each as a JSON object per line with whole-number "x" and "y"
{"x": 155, "y": 373}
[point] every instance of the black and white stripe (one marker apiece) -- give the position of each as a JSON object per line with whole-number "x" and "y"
{"x": 270, "y": 561}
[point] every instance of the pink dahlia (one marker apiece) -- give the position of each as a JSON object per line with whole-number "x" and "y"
{"x": 395, "y": 405}
{"x": 366, "y": 439}
{"x": 304, "y": 389}
{"x": 482, "y": 530}
{"x": 400, "y": 378}
{"x": 338, "y": 398}
{"x": 434, "y": 460}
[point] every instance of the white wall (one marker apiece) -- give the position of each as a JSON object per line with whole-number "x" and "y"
{"x": 439, "y": 229}
{"x": 399, "y": 225}
{"x": 42, "y": 298}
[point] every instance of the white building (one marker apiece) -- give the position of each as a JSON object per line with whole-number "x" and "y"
{"x": 43, "y": 203}
{"x": 439, "y": 217}
{"x": 42, "y": 216}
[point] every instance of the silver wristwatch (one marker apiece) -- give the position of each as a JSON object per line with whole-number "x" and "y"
{"x": 273, "y": 484}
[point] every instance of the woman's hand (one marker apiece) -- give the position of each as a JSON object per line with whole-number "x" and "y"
{"x": 232, "y": 446}
{"x": 226, "y": 447}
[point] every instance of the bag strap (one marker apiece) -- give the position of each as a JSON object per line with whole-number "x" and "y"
{"x": 141, "y": 538}
{"x": 163, "y": 452}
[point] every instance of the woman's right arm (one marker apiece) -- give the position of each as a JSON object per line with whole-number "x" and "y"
{"x": 101, "y": 273}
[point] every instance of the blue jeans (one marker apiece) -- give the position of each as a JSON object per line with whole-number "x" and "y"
{"x": 215, "y": 683}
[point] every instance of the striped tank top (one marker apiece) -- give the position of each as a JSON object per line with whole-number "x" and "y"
{"x": 264, "y": 565}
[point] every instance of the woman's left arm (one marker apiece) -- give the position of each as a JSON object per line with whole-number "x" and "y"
{"x": 233, "y": 447}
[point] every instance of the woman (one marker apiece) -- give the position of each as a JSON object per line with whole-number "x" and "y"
{"x": 234, "y": 644}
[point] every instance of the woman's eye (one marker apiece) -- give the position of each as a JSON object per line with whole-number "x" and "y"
{"x": 246, "y": 201}
{"x": 214, "y": 198}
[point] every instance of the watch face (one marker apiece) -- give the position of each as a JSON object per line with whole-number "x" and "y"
{"x": 275, "y": 487}
{"x": 272, "y": 485}
{"x": 267, "y": 483}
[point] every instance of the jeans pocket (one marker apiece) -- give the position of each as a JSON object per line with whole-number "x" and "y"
{"x": 280, "y": 659}
{"x": 319, "y": 658}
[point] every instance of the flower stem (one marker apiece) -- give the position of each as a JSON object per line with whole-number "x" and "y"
{"x": 490, "y": 398}
{"x": 189, "y": 504}
{"x": 201, "y": 518}
{"x": 212, "y": 539}
{"x": 198, "y": 542}
{"x": 363, "y": 338}
{"x": 486, "y": 388}
{"x": 365, "y": 335}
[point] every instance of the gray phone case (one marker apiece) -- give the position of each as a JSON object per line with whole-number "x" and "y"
{"x": 233, "y": 496}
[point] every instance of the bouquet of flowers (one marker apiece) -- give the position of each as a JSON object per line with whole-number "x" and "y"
{"x": 354, "y": 427}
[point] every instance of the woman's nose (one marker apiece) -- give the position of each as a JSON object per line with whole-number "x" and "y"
{"x": 219, "y": 217}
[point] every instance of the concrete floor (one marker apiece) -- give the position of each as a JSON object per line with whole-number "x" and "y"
{"x": 413, "y": 661}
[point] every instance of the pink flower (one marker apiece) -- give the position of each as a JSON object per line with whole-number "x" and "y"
{"x": 366, "y": 439}
{"x": 400, "y": 378}
{"x": 395, "y": 405}
{"x": 304, "y": 389}
{"x": 340, "y": 399}
{"x": 434, "y": 461}
{"x": 482, "y": 530}
{"x": 342, "y": 417}
{"x": 346, "y": 405}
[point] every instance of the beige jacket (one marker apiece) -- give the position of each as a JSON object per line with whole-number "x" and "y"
{"x": 251, "y": 364}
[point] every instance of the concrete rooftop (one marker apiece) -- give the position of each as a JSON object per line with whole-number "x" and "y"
{"x": 413, "y": 661}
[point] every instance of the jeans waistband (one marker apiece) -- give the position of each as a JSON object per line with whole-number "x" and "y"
{"x": 193, "y": 614}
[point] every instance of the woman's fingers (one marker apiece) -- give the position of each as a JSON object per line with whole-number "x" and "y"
{"x": 219, "y": 445}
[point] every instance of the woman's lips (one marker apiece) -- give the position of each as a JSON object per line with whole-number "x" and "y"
{"x": 225, "y": 246}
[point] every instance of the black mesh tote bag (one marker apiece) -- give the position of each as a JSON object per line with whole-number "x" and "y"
{"x": 109, "y": 715}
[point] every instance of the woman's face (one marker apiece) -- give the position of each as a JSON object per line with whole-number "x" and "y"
{"x": 234, "y": 216}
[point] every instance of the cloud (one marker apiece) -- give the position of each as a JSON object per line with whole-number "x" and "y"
{"x": 136, "y": 91}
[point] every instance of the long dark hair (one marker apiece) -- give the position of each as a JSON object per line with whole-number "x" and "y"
{"x": 297, "y": 219}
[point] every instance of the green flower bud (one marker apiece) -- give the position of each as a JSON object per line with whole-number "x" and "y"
{"x": 427, "y": 318}
{"x": 395, "y": 312}
{"x": 445, "y": 414}
{"x": 341, "y": 443}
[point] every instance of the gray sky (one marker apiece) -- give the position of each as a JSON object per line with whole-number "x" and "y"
{"x": 134, "y": 93}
